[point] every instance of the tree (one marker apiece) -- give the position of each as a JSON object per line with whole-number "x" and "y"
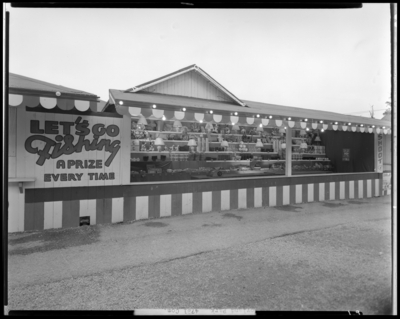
{"x": 389, "y": 107}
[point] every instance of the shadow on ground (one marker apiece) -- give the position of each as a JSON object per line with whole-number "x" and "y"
{"x": 288, "y": 208}
{"x": 53, "y": 239}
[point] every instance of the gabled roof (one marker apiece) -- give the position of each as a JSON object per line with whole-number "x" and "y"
{"x": 21, "y": 82}
{"x": 190, "y": 68}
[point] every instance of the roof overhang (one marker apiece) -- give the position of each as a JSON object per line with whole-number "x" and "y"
{"x": 134, "y": 104}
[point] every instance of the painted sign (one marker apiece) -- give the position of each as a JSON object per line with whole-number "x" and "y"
{"x": 379, "y": 155}
{"x": 346, "y": 155}
{"x": 72, "y": 150}
{"x": 69, "y": 148}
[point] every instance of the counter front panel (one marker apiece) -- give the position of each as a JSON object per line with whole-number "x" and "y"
{"x": 48, "y": 208}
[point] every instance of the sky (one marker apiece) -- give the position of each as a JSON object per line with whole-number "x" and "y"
{"x": 334, "y": 60}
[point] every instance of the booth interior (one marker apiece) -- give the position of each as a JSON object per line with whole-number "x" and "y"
{"x": 164, "y": 150}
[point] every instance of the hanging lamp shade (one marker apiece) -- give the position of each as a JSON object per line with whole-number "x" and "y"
{"x": 317, "y": 139}
{"x": 303, "y": 132}
{"x": 260, "y": 128}
{"x": 259, "y": 143}
{"x": 192, "y": 142}
{"x": 177, "y": 124}
{"x": 142, "y": 120}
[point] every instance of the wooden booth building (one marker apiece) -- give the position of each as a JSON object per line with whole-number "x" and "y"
{"x": 179, "y": 144}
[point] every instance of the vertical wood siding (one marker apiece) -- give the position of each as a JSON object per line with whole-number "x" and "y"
{"x": 190, "y": 84}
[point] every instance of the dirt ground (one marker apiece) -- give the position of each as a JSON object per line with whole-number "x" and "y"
{"x": 330, "y": 256}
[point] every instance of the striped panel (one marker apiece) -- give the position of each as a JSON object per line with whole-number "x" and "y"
{"x": 207, "y": 202}
{"x": 258, "y": 197}
{"x": 91, "y": 207}
{"x": 242, "y": 198}
{"x": 34, "y": 216}
{"x": 341, "y": 190}
{"x": 369, "y": 188}
{"x": 316, "y": 192}
{"x": 365, "y": 190}
{"x": 233, "y": 198}
{"x": 165, "y": 205}
{"x": 117, "y": 210}
{"x": 360, "y": 189}
{"x": 286, "y": 195}
{"x": 87, "y": 207}
{"x": 250, "y": 197}
{"x": 142, "y": 207}
{"x": 265, "y": 196}
{"x": 57, "y": 214}
{"x": 225, "y": 200}
{"x": 292, "y": 195}
{"x": 279, "y": 196}
{"x": 377, "y": 187}
{"x": 176, "y": 204}
{"x": 351, "y": 189}
{"x": 337, "y": 190}
{"x": 304, "y": 193}
{"x": 154, "y": 206}
{"x": 299, "y": 194}
{"x": 187, "y": 203}
{"x": 103, "y": 211}
{"x": 346, "y": 190}
{"x": 62, "y": 214}
{"x": 216, "y": 201}
{"x": 272, "y": 196}
{"x": 321, "y": 192}
{"x": 70, "y": 215}
{"x": 197, "y": 202}
{"x": 310, "y": 190}
{"x": 129, "y": 209}
{"x": 48, "y": 215}
{"x": 332, "y": 191}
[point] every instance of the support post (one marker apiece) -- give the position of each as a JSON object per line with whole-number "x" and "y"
{"x": 288, "y": 163}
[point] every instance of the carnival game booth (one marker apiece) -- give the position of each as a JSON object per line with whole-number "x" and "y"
{"x": 62, "y": 156}
{"x": 196, "y": 147}
{"x": 176, "y": 145}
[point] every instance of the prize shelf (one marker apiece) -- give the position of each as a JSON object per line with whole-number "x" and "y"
{"x": 187, "y": 152}
{"x": 214, "y": 134}
{"x": 182, "y": 141}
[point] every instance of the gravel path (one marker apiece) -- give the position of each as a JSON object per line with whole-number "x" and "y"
{"x": 345, "y": 267}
